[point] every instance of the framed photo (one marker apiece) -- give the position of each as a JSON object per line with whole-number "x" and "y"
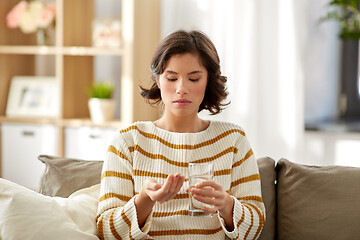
{"x": 33, "y": 97}
{"x": 106, "y": 33}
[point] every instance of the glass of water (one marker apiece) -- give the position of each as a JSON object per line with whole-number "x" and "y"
{"x": 199, "y": 172}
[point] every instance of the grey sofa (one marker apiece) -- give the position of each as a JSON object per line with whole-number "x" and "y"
{"x": 302, "y": 202}
{"x": 309, "y": 202}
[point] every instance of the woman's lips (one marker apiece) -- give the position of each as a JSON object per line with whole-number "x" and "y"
{"x": 182, "y": 102}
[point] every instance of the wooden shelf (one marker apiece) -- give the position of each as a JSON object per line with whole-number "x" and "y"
{"x": 81, "y": 122}
{"x": 71, "y": 59}
{"x": 91, "y": 51}
{"x": 28, "y": 50}
{"x": 48, "y": 50}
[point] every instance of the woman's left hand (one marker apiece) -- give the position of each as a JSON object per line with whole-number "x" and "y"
{"x": 212, "y": 193}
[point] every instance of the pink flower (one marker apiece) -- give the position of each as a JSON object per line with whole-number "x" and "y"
{"x": 13, "y": 17}
{"x": 45, "y": 18}
{"x": 31, "y": 16}
{"x": 52, "y": 7}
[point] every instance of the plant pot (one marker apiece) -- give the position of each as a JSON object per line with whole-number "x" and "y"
{"x": 101, "y": 110}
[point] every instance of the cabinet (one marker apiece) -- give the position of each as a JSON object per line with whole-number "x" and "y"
{"x": 89, "y": 143}
{"x": 72, "y": 60}
{"x": 22, "y": 144}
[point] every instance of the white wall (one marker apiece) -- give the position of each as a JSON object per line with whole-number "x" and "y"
{"x": 318, "y": 53}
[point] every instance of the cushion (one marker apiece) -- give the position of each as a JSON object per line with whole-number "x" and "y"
{"x": 317, "y": 202}
{"x": 63, "y": 176}
{"x": 25, "y": 214}
{"x": 268, "y": 176}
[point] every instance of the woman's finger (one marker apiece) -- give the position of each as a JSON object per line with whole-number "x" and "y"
{"x": 209, "y": 183}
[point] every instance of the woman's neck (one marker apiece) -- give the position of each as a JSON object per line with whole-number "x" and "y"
{"x": 182, "y": 125}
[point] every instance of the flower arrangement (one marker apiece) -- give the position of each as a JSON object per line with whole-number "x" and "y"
{"x": 348, "y": 15}
{"x": 32, "y": 16}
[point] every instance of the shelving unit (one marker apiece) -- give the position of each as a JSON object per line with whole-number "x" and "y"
{"x": 73, "y": 57}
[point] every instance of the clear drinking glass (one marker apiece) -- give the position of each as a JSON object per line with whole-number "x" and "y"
{"x": 199, "y": 172}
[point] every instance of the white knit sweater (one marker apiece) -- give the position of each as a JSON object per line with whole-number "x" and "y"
{"x": 144, "y": 151}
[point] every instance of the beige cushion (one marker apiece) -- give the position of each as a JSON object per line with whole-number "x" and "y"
{"x": 268, "y": 176}
{"x": 25, "y": 214}
{"x": 63, "y": 176}
{"x": 318, "y": 202}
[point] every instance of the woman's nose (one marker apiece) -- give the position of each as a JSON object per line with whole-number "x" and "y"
{"x": 181, "y": 87}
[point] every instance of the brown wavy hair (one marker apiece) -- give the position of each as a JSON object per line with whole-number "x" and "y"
{"x": 195, "y": 42}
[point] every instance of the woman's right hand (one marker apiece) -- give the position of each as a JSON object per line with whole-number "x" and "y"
{"x": 161, "y": 193}
{"x": 153, "y": 191}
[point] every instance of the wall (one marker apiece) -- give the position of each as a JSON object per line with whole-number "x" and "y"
{"x": 280, "y": 103}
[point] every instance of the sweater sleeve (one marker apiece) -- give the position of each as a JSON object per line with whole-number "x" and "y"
{"x": 117, "y": 216}
{"x": 249, "y": 209}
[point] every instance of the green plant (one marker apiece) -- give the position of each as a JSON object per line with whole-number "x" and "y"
{"x": 103, "y": 89}
{"x": 348, "y": 15}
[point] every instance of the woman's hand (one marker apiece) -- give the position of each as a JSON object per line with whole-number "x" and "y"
{"x": 153, "y": 191}
{"x": 159, "y": 192}
{"x": 212, "y": 193}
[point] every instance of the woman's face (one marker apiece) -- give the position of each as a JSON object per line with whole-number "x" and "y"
{"x": 182, "y": 85}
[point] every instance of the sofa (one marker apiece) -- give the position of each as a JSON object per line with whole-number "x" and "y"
{"x": 302, "y": 202}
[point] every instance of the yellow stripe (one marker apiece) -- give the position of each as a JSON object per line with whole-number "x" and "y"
{"x": 185, "y": 232}
{"x": 241, "y": 220}
{"x": 128, "y": 222}
{"x": 148, "y": 174}
{"x": 261, "y": 219}
{"x": 251, "y": 198}
{"x": 167, "y": 214}
{"x": 117, "y": 174}
{"x": 112, "y": 226}
{"x": 248, "y": 154}
{"x": 157, "y": 156}
{"x": 117, "y": 152}
{"x": 252, "y": 222}
{"x": 245, "y": 179}
{"x": 222, "y": 172}
{"x": 142, "y": 173}
{"x": 226, "y": 151}
{"x": 180, "y": 146}
{"x": 100, "y": 228}
{"x": 114, "y": 195}
{"x": 177, "y": 196}
{"x": 181, "y": 164}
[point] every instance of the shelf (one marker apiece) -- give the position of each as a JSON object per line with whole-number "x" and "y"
{"x": 81, "y": 122}
{"x": 28, "y": 50}
{"x": 91, "y": 51}
{"x": 49, "y": 50}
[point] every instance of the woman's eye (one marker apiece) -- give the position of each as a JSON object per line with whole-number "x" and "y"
{"x": 172, "y": 79}
{"x": 194, "y": 79}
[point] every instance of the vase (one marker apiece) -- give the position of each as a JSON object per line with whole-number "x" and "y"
{"x": 42, "y": 37}
{"x": 101, "y": 110}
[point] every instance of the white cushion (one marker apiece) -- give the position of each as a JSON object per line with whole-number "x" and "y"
{"x": 25, "y": 214}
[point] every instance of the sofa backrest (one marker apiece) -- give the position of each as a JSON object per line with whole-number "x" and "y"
{"x": 268, "y": 176}
{"x": 317, "y": 202}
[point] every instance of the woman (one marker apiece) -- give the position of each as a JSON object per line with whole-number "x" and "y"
{"x": 144, "y": 186}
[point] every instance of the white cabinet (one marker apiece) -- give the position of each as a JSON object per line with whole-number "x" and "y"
{"x": 20, "y": 146}
{"x": 89, "y": 143}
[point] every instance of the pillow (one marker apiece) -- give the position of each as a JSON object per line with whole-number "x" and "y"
{"x": 63, "y": 176}
{"x": 25, "y": 214}
{"x": 318, "y": 202}
{"x": 268, "y": 176}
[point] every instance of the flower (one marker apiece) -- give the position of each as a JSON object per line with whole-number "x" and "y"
{"x": 31, "y": 16}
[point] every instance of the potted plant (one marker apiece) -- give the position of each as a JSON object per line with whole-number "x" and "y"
{"x": 348, "y": 15}
{"x": 101, "y": 104}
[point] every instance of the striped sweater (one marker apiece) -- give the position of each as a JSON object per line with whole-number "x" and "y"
{"x": 144, "y": 151}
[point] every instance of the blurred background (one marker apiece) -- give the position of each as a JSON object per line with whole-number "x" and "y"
{"x": 284, "y": 74}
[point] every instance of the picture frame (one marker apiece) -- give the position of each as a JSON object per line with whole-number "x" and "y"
{"x": 33, "y": 97}
{"x": 106, "y": 33}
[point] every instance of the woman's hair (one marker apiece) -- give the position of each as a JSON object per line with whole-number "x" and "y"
{"x": 194, "y": 42}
